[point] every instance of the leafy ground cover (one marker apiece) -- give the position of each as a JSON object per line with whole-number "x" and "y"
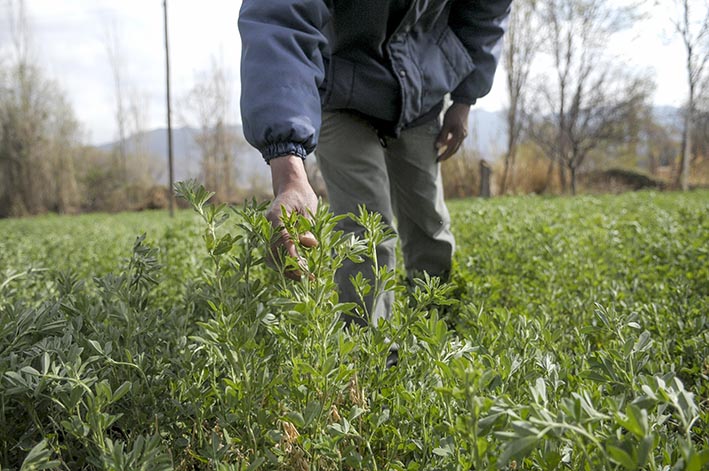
{"x": 574, "y": 334}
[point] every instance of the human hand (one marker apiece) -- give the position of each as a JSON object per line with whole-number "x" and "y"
{"x": 293, "y": 194}
{"x": 453, "y": 132}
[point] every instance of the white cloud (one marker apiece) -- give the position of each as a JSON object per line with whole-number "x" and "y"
{"x": 69, "y": 38}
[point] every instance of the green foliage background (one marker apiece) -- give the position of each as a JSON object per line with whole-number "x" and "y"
{"x": 574, "y": 334}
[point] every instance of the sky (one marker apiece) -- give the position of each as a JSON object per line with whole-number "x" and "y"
{"x": 70, "y": 42}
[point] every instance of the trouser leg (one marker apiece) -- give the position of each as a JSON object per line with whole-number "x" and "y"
{"x": 352, "y": 163}
{"x": 423, "y": 221}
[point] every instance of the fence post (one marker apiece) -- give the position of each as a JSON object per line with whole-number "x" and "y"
{"x": 485, "y": 173}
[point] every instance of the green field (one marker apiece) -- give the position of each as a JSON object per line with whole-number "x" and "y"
{"x": 574, "y": 334}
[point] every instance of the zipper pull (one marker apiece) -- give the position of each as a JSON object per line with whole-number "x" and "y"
{"x": 382, "y": 139}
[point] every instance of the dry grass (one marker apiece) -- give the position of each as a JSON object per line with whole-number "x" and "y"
{"x": 529, "y": 175}
{"x": 699, "y": 175}
{"x": 461, "y": 174}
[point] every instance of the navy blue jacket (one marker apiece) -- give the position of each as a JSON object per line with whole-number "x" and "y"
{"x": 302, "y": 56}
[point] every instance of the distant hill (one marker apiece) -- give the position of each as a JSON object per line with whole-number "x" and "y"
{"x": 487, "y": 134}
{"x": 248, "y": 162}
{"x": 488, "y": 129}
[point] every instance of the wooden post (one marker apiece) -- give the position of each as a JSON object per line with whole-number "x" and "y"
{"x": 485, "y": 173}
{"x": 170, "y": 191}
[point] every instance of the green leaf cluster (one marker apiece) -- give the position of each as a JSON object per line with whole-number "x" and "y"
{"x": 573, "y": 334}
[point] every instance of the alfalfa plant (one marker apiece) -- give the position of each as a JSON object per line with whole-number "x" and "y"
{"x": 274, "y": 348}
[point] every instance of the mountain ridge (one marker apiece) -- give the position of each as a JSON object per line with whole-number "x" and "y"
{"x": 487, "y": 135}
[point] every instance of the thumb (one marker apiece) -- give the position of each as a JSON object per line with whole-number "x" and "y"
{"x": 308, "y": 239}
{"x": 443, "y": 135}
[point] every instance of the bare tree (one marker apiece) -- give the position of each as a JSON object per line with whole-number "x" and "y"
{"x": 700, "y": 128}
{"x": 660, "y": 147}
{"x": 692, "y": 25}
{"x": 136, "y": 171}
{"x": 208, "y": 105}
{"x": 583, "y": 101}
{"x": 38, "y": 132}
{"x": 115, "y": 61}
{"x": 521, "y": 45}
{"x": 63, "y": 131}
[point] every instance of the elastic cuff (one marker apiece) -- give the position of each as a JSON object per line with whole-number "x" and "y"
{"x": 283, "y": 148}
{"x": 463, "y": 100}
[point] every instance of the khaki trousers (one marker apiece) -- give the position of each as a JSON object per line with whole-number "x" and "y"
{"x": 396, "y": 177}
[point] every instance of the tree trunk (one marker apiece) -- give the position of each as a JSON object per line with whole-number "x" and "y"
{"x": 505, "y": 172}
{"x": 572, "y": 173}
{"x": 562, "y": 177}
{"x": 686, "y": 151}
{"x": 509, "y": 166}
{"x": 550, "y": 170}
{"x": 681, "y": 170}
{"x": 652, "y": 163}
{"x": 485, "y": 174}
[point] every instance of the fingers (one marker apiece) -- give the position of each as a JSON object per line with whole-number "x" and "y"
{"x": 449, "y": 142}
{"x": 443, "y": 137}
{"x": 288, "y": 244}
{"x": 453, "y": 132}
{"x": 292, "y": 252}
{"x": 284, "y": 245}
{"x": 308, "y": 239}
{"x": 292, "y": 196}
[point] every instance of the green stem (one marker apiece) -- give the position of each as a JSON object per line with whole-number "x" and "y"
{"x": 574, "y": 428}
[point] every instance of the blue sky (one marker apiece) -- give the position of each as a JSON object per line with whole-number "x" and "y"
{"x": 70, "y": 42}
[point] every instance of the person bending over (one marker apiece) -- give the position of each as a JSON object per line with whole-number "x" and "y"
{"x": 362, "y": 84}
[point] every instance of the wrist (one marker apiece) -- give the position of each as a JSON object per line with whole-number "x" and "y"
{"x": 462, "y": 107}
{"x": 287, "y": 170}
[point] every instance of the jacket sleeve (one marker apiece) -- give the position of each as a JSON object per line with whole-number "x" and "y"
{"x": 480, "y": 25}
{"x": 281, "y": 70}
